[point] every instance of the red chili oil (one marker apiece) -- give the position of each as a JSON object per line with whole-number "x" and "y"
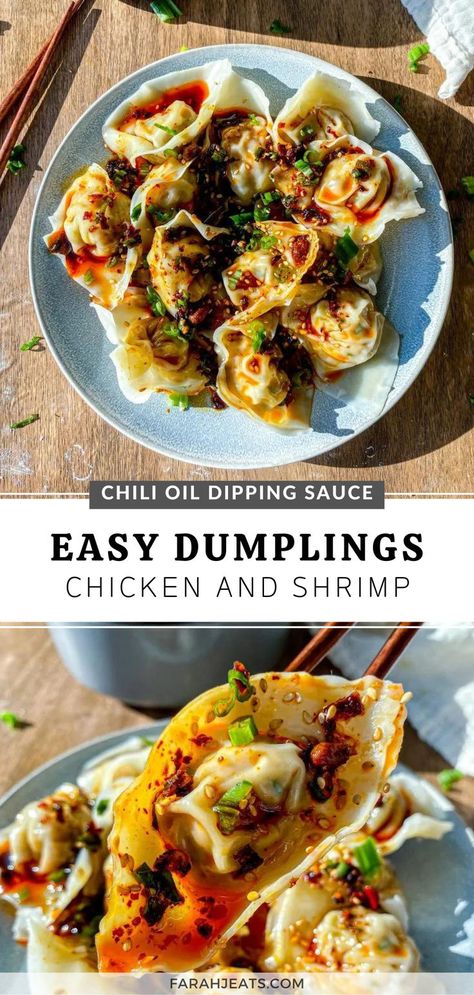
{"x": 193, "y": 94}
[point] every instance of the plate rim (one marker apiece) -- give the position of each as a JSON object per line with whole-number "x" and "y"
{"x": 245, "y": 464}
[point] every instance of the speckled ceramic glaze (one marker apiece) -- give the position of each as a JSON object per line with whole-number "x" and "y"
{"x": 413, "y": 293}
{"x": 436, "y": 876}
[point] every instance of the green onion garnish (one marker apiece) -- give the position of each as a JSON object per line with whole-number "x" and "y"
{"x": 342, "y": 869}
{"x": 241, "y": 219}
{"x": 164, "y": 127}
{"x": 166, "y": 10}
{"x": 24, "y": 422}
{"x": 312, "y": 157}
{"x": 236, "y": 794}
{"x": 448, "y": 778}
{"x": 102, "y": 806}
{"x": 242, "y": 731}
{"x": 258, "y": 335}
{"x": 307, "y": 131}
{"x": 468, "y": 184}
{"x": 417, "y": 53}
{"x": 345, "y": 248}
{"x": 367, "y": 857}
{"x": 254, "y": 119}
{"x": 12, "y": 720}
{"x": 271, "y": 195}
{"x": 16, "y": 161}
{"x": 27, "y": 346}
{"x": 173, "y": 331}
{"x": 57, "y": 876}
{"x": 88, "y": 276}
{"x": 268, "y": 242}
{"x": 161, "y": 216}
{"x": 155, "y": 302}
{"x": 170, "y": 153}
{"x": 23, "y": 894}
{"x": 240, "y": 683}
{"x": 234, "y": 278}
{"x": 277, "y": 28}
{"x": 304, "y": 167}
{"x": 261, "y": 213}
{"x": 135, "y": 214}
{"x": 179, "y": 401}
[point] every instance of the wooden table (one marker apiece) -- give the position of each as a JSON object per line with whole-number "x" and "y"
{"x": 425, "y": 443}
{"x": 36, "y": 687}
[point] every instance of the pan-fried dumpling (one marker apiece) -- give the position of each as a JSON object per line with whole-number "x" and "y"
{"x": 340, "y": 331}
{"x": 324, "y": 108}
{"x": 410, "y": 810}
{"x": 199, "y": 842}
{"x": 255, "y": 375}
{"x": 46, "y": 831}
{"x": 268, "y": 273}
{"x": 166, "y": 113}
{"x": 168, "y": 187}
{"x": 93, "y": 236}
{"x": 183, "y": 267}
{"x": 152, "y": 353}
{"x": 240, "y": 131}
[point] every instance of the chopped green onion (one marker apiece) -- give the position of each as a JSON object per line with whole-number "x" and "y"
{"x": 88, "y": 276}
{"x": 345, "y": 248}
{"x": 468, "y": 184}
{"x": 236, "y": 794}
{"x": 417, "y": 53}
{"x": 342, "y": 869}
{"x": 27, "y": 346}
{"x": 12, "y": 720}
{"x": 239, "y": 682}
{"x": 173, "y": 331}
{"x": 218, "y": 155}
{"x": 304, "y": 167}
{"x": 277, "y": 28}
{"x": 179, "y": 401}
{"x": 23, "y": 894}
{"x": 254, "y": 119}
{"x": 258, "y": 336}
{"x": 367, "y": 857}
{"x": 448, "y": 778}
{"x": 271, "y": 195}
{"x": 24, "y": 422}
{"x": 268, "y": 242}
{"x": 307, "y": 131}
{"x": 242, "y": 731}
{"x": 16, "y": 161}
{"x": 241, "y": 219}
{"x": 57, "y": 876}
{"x": 234, "y": 278}
{"x": 161, "y": 216}
{"x": 137, "y": 210}
{"x": 261, "y": 213}
{"x": 148, "y": 742}
{"x": 164, "y": 127}
{"x": 170, "y": 153}
{"x": 102, "y": 806}
{"x": 166, "y": 10}
{"x": 312, "y": 157}
{"x": 155, "y": 302}
{"x": 184, "y": 48}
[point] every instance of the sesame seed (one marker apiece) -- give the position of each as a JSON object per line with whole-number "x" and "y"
{"x": 289, "y": 696}
{"x": 210, "y": 717}
{"x": 309, "y": 849}
{"x": 371, "y": 693}
{"x": 126, "y": 946}
{"x": 406, "y": 697}
{"x": 307, "y": 718}
{"x": 275, "y": 723}
{"x": 252, "y": 896}
{"x": 377, "y": 734}
{"x": 386, "y": 788}
{"x": 368, "y": 765}
{"x": 263, "y": 684}
{"x": 323, "y": 823}
{"x": 356, "y": 799}
{"x": 194, "y": 728}
{"x": 210, "y": 791}
{"x": 321, "y": 718}
{"x": 321, "y": 782}
{"x": 332, "y": 712}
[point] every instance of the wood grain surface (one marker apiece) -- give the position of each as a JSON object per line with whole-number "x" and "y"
{"x": 35, "y": 685}
{"x": 425, "y": 442}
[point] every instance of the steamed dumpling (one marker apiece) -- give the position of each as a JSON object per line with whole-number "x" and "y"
{"x": 248, "y": 174}
{"x": 181, "y": 261}
{"x": 362, "y": 941}
{"x": 46, "y": 831}
{"x": 324, "y": 108}
{"x": 168, "y": 187}
{"x": 343, "y": 330}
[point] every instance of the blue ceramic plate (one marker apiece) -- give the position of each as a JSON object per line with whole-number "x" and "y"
{"x": 437, "y": 877}
{"x": 413, "y": 296}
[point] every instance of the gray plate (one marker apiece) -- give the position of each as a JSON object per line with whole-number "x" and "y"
{"x": 414, "y": 290}
{"x": 436, "y": 876}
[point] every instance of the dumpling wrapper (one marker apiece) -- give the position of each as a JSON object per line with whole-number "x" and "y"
{"x": 169, "y": 186}
{"x": 247, "y": 175}
{"x": 256, "y": 382}
{"x": 410, "y": 810}
{"x": 147, "y": 360}
{"x": 342, "y": 330}
{"x": 165, "y": 821}
{"x": 362, "y": 941}
{"x": 269, "y": 276}
{"x": 171, "y": 121}
{"x": 94, "y": 262}
{"x": 172, "y": 260}
{"x": 329, "y": 106}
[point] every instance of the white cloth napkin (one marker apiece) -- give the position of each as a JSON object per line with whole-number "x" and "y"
{"x": 448, "y": 26}
{"x": 438, "y": 667}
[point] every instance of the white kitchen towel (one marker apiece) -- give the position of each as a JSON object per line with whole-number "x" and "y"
{"x": 438, "y": 666}
{"x": 448, "y": 26}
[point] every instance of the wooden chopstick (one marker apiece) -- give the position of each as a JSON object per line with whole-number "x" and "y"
{"x": 21, "y": 84}
{"x": 318, "y": 647}
{"x": 392, "y": 648}
{"x": 35, "y": 77}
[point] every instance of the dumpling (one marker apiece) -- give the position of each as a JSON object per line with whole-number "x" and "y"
{"x": 168, "y": 187}
{"x": 267, "y": 274}
{"x": 340, "y": 331}
{"x": 410, "y": 810}
{"x": 184, "y": 267}
{"x": 166, "y": 113}
{"x": 363, "y": 941}
{"x": 46, "y": 832}
{"x": 258, "y": 376}
{"x": 152, "y": 354}
{"x": 248, "y": 785}
{"x": 322, "y": 109}
{"x": 94, "y": 237}
{"x": 240, "y": 131}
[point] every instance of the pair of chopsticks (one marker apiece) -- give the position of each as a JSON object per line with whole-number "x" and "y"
{"x": 320, "y": 645}
{"x": 27, "y": 87}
